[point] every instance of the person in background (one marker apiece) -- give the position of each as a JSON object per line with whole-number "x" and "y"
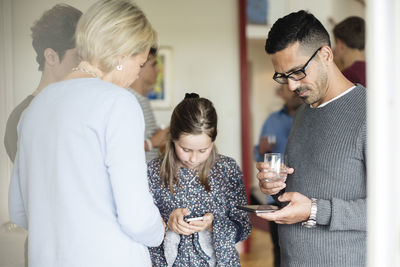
{"x": 79, "y": 182}
{"x": 323, "y": 217}
{"x": 54, "y": 44}
{"x": 278, "y": 125}
{"x": 155, "y": 137}
{"x": 192, "y": 180}
{"x": 350, "y": 48}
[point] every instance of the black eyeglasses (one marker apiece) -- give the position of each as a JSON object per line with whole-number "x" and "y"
{"x": 295, "y": 75}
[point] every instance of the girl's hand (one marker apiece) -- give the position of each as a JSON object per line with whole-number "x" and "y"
{"x": 177, "y": 224}
{"x": 205, "y": 224}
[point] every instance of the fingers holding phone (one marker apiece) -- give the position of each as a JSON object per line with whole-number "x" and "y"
{"x": 202, "y": 223}
{"x": 258, "y": 208}
{"x": 177, "y": 223}
{"x": 194, "y": 219}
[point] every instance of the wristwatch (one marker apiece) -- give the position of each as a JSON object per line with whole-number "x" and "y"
{"x": 312, "y": 221}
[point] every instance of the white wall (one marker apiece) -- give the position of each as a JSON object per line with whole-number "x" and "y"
{"x": 203, "y": 36}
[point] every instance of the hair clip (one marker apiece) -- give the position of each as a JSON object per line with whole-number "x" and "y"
{"x": 191, "y": 95}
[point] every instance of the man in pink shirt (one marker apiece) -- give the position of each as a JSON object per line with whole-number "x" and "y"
{"x": 349, "y": 48}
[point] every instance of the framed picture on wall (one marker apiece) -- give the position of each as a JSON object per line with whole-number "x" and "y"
{"x": 161, "y": 94}
{"x": 257, "y": 11}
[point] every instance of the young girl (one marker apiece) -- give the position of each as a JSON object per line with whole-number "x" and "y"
{"x": 191, "y": 180}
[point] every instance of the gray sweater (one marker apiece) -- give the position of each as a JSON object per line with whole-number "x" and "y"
{"x": 150, "y": 122}
{"x": 327, "y": 149}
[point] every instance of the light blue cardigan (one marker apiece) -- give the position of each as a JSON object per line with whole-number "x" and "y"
{"x": 79, "y": 183}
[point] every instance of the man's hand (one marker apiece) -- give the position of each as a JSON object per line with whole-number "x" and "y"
{"x": 159, "y": 138}
{"x": 269, "y": 188}
{"x": 298, "y": 209}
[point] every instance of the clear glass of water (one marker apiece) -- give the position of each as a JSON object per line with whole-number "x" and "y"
{"x": 277, "y": 167}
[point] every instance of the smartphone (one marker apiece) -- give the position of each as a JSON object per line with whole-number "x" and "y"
{"x": 258, "y": 208}
{"x": 194, "y": 219}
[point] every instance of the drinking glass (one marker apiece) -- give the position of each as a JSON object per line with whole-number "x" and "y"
{"x": 276, "y": 166}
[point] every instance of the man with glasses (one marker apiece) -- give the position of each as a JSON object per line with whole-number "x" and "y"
{"x": 323, "y": 217}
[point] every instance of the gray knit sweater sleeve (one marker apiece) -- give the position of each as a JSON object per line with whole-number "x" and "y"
{"x": 345, "y": 214}
{"x": 327, "y": 149}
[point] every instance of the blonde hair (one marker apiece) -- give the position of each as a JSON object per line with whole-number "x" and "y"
{"x": 191, "y": 116}
{"x": 113, "y": 28}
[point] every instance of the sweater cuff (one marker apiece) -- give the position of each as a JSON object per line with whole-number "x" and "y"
{"x": 324, "y": 210}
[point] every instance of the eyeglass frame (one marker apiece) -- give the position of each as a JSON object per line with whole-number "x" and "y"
{"x": 288, "y": 76}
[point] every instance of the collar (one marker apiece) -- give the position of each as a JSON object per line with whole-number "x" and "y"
{"x": 335, "y": 98}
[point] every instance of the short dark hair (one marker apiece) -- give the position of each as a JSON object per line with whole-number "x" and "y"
{"x": 352, "y": 32}
{"x": 56, "y": 30}
{"x": 300, "y": 27}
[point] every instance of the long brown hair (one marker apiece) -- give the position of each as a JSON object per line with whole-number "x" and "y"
{"x": 193, "y": 115}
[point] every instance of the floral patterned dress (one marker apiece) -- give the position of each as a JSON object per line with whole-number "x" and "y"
{"x": 230, "y": 225}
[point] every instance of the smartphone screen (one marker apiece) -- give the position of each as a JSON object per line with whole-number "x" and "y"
{"x": 258, "y": 208}
{"x": 194, "y": 219}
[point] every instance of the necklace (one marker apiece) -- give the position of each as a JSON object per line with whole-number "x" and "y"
{"x": 85, "y": 70}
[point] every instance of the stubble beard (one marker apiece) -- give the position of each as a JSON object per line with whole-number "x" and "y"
{"x": 317, "y": 93}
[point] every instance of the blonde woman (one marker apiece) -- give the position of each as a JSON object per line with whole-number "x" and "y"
{"x": 79, "y": 184}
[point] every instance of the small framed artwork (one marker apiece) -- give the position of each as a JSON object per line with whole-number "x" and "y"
{"x": 257, "y": 11}
{"x": 161, "y": 94}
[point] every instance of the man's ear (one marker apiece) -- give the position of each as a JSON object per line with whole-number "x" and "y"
{"x": 326, "y": 54}
{"x": 51, "y": 57}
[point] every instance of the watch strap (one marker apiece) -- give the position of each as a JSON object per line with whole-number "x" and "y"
{"x": 312, "y": 220}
